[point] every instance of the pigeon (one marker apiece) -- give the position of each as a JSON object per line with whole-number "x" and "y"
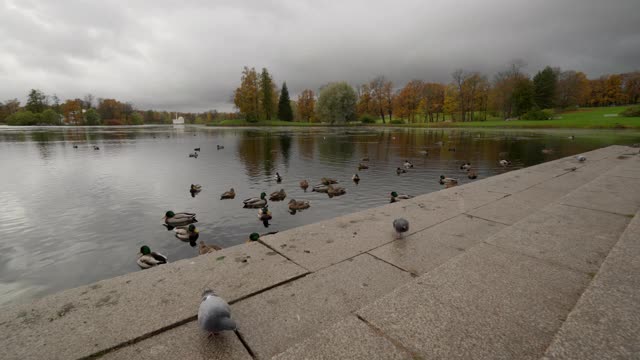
{"x": 214, "y": 315}
{"x": 581, "y": 158}
{"x": 400, "y": 225}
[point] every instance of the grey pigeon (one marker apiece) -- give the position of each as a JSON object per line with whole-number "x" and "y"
{"x": 214, "y": 315}
{"x": 401, "y": 225}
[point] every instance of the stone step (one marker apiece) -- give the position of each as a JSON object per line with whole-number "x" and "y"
{"x": 505, "y": 296}
{"x": 605, "y": 323}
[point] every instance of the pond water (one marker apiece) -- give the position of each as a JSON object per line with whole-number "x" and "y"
{"x": 73, "y": 216}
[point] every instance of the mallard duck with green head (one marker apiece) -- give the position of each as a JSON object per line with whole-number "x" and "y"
{"x": 255, "y": 203}
{"x": 187, "y": 233}
{"x": 148, "y": 259}
{"x": 278, "y": 195}
{"x": 448, "y": 181}
{"x": 179, "y": 219}
{"x": 397, "y": 197}
{"x": 255, "y": 236}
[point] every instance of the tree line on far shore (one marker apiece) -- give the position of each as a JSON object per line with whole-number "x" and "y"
{"x": 43, "y": 109}
{"x": 470, "y": 96}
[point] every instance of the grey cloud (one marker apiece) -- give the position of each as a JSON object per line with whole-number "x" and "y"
{"x": 188, "y": 55}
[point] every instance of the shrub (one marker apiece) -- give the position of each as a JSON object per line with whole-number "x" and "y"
{"x": 396, "y": 122}
{"x": 23, "y": 118}
{"x": 367, "y": 119}
{"x": 537, "y": 114}
{"x": 633, "y": 111}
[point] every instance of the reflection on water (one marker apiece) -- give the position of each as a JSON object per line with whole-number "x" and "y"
{"x": 72, "y": 216}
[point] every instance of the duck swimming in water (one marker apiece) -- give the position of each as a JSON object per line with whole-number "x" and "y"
{"x": 465, "y": 166}
{"x": 335, "y": 191}
{"x": 362, "y": 166}
{"x": 228, "y": 194}
{"x": 328, "y": 181}
{"x": 400, "y": 171}
{"x": 179, "y": 219}
{"x": 255, "y": 203}
{"x": 471, "y": 174}
{"x": 448, "y": 181}
{"x": 355, "y": 178}
{"x": 304, "y": 184}
{"x": 193, "y": 155}
{"x": 505, "y": 163}
{"x": 219, "y": 147}
{"x": 148, "y": 259}
{"x": 264, "y": 214}
{"x": 395, "y": 197}
{"x": 298, "y": 204}
{"x": 407, "y": 164}
{"x": 278, "y": 177}
{"x": 278, "y": 195}
{"x": 321, "y": 188}
{"x": 195, "y": 189}
{"x": 187, "y": 233}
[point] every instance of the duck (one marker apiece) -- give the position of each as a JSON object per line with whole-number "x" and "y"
{"x": 439, "y": 143}
{"x": 471, "y": 174}
{"x": 278, "y": 195}
{"x": 231, "y": 194}
{"x": 179, "y": 219}
{"x": 187, "y": 233}
{"x": 264, "y": 214}
{"x": 255, "y": 203}
{"x": 195, "y": 188}
{"x": 206, "y": 249}
{"x": 75, "y": 146}
{"x": 547, "y": 151}
{"x": 424, "y": 152}
{"x": 193, "y": 155}
{"x": 96, "y": 147}
{"x": 298, "y": 204}
{"x": 505, "y": 163}
{"x": 196, "y": 149}
{"x": 278, "y": 177}
{"x": 328, "y": 181}
{"x": 581, "y": 158}
{"x": 452, "y": 149}
{"x": 366, "y": 158}
{"x": 465, "y": 166}
{"x": 148, "y": 259}
{"x": 255, "y": 236}
{"x": 407, "y": 164}
{"x": 362, "y": 166}
{"x": 321, "y": 188}
{"x": 571, "y": 137}
{"x": 400, "y": 171}
{"x": 445, "y": 180}
{"x": 355, "y": 178}
{"x": 304, "y": 184}
{"x": 335, "y": 191}
{"x": 397, "y": 197}
{"x": 219, "y": 147}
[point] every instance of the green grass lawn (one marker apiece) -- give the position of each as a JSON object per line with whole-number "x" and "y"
{"x": 584, "y": 118}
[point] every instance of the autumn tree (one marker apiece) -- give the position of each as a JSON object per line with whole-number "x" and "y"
{"x": 246, "y": 97}
{"x": 504, "y": 84}
{"x": 382, "y": 96}
{"x": 285, "y": 112}
{"x": 432, "y": 102}
{"x": 8, "y": 108}
{"x": 614, "y": 94}
{"x": 87, "y": 101}
{"x": 306, "y": 105}
{"x": 110, "y": 110}
{"x": 407, "y": 100}
{"x": 365, "y": 103}
{"x": 572, "y": 89}
{"x": 72, "y": 111}
{"x": 337, "y": 102}
{"x": 631, "y": 86}
{"x": 544, "y": 88}
{"x": 36, "y": 101}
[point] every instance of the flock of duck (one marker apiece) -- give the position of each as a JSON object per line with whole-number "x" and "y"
{"x": 182, "y": 223}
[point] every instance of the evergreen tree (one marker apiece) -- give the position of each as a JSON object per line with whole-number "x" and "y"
{"x": 285, "y": 112}
{"x": 36, "y": 101}
{"x": 267, "y": 95}
{"x": 522, "y": 97}
{"x": 544, "y": 88}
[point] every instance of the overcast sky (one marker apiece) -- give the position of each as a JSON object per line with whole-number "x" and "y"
{"x": 188, "y": 55}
